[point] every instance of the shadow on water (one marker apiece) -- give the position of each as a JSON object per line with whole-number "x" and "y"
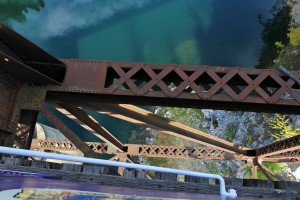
{"x": 233, "y": 37}
{"x": 68, "y": 48}
{"x": 275, "y": 30}
{"x": 136, "y": 48}
{"x": 68, "y": 45}
{"x": 171, "y": 45}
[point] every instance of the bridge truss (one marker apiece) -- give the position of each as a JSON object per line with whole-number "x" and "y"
{"x": 32, "y": 82}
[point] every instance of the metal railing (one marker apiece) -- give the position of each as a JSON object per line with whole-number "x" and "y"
{"x": 22, "y": 152}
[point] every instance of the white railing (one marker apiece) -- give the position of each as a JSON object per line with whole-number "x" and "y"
{"x": 23, "y": 152}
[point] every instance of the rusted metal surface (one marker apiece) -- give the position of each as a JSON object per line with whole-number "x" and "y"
{"x": 33, "y": 120}
{"x": 89, "y": 121}
{"x": 205, "y": 153}
{"x": 282, "y": 160}
{"x": 287, "y": 145}
{"x": 18, "y": 69}
{"x": 139, "y": 121}
{"x": 64, "y": 145}
{"x": 106, "y": 86}
{"x": 266, "y": 170}
{"x": 86, "y": 150}
{"x": 228, "y": 88}
{"x": 173, "y": 128}
{"x": 9, "y": 88}
{"x": 5, "y": 138}
{"x": 288, "y": 154}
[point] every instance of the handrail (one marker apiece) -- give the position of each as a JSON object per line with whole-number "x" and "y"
{"x": 23, "y": 152}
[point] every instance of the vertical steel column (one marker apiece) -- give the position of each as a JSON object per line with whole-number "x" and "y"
{"x": 31, "y": 130}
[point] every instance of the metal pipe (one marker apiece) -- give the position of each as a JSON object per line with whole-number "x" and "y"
{"x": 23, "y": 152}
{"x": 290, "y": 74}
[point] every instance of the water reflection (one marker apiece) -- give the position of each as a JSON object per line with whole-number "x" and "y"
{"x": 59, "y": 18}
{"x": 275, "y": 30}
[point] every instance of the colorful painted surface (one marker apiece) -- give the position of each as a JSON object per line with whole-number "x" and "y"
{"x": 14, "y": 187}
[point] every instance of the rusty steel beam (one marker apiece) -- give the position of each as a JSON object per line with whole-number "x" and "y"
{"x": 155, "y": 151}
{"x": 64, "y": 145}
{"x": 265, "y": 169}
{"x": 32, "y": 124}
{"x": 257, "y": 164}
{"x": 85, "y": 149}
{"x": 174, "y": 128}
{"x": 9, "y": 88}
{"x": 227, "y": 88}
{"x": 292, "y": 156}
{"x": 282, "y": 160}
{"x": 254, "y": 171}
{"x": 205, "y": 153}
{"x": 89, "y": 123}
{"x": 288, "y": 154}
{"x": 26, "y": 61}
{"x": 286, "y": 145}
{"x": 131, "y": 120}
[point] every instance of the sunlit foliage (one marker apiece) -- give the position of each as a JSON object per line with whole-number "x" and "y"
{"x": 294, "y": 36}
{"x": 281, "y": 128}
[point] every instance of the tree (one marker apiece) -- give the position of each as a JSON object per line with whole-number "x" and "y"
{"x": 275, "y": 29}
{"x": 294, "y": 36}
{"x": 17, "y": 9}
{"x": 281, "y": 128}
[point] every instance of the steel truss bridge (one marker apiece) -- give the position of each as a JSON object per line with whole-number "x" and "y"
{"x": 32, "y": 82}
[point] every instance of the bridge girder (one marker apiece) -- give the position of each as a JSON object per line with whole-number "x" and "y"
{"x": 29, "y": 77}
{"x": 224, "y": 88}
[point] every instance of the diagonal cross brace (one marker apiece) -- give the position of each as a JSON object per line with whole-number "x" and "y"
{"x": 175, "y": 128}
{"x": 84, "y": 148}
{"x": 100, "y": 131}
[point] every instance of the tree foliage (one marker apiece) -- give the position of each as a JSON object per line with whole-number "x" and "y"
{"x": 294, "y": 36}
{"x": 274, "y": 167}
{"x": 281, "y": 128}
{"x": 275, "y": 29}
{"x": 17, "y": 9}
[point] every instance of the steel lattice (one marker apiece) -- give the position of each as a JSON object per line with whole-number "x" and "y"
{"x": 211, "y": 85}
{"x": 180, "y": 152}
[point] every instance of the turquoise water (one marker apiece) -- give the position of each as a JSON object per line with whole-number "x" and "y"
{"x": 210, "y": 32}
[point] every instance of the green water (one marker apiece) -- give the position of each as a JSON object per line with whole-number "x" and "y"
{"x": 151, "y": 36}
{"x": 210, "y": 32}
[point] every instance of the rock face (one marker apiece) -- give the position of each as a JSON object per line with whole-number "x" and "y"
{"x": 296, "y": 13}
{"x": 242, "y": 128}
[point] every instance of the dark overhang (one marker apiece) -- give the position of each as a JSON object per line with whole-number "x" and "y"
{"x": 26, "y": 61}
